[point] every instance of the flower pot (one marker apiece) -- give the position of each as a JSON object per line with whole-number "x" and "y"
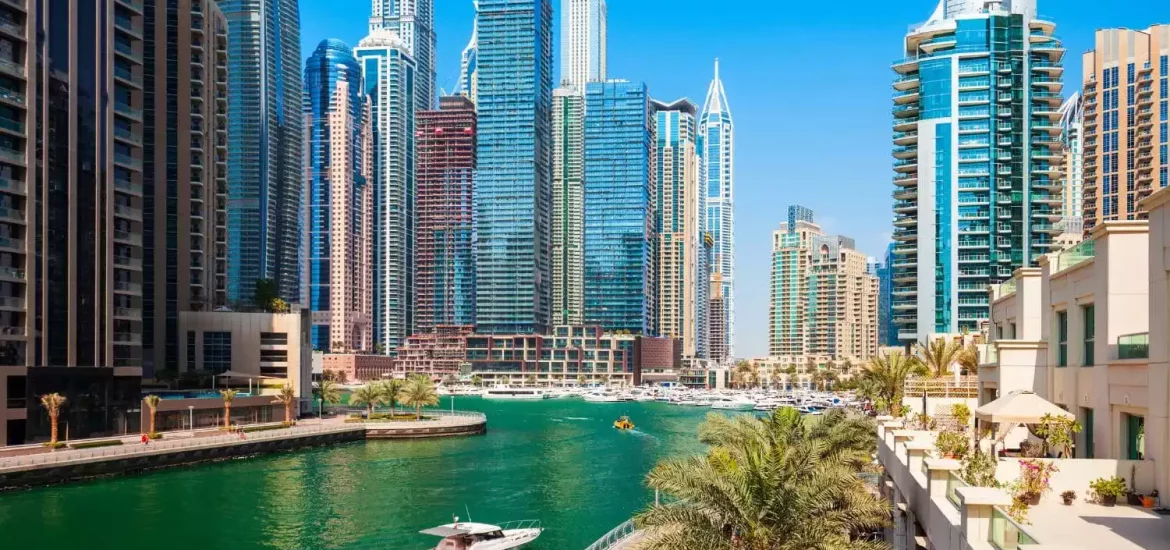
{"x": 1068, "y": 501}
{"x": 1147, "y": 502}
{"x": 1110, "y": 500}
{"x": 1031, "y": 499}
{"x": 1133, "y": 499}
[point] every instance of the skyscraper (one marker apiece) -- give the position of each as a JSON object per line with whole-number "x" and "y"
{"x": 444, "y": 254}
{"x": 583, "y": 42}
{"x": 977, "y": 159}
{"x": 824, "y": 300}
{"x": 184, "y": 170}
{"x": 514, "y": 189}
{"x": 620, "y": 288}
{"x": 1071, "y": 135}
{"x": 568, "y": 206}
{"x": 1125, "y": 122}
{"x": 717, "y": 135}
{"x": 680, "y": 226}
{"x": 469, "y": 62}
{"x": 788, "y": 304}
{"x": 388, "y": 71}
{"x": 414, "y": 22}
{"x": 887, "y": 334}
{"x": 341, "y": 200}
{"x": 265, "y": 153}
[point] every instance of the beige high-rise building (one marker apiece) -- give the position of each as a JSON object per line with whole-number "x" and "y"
{"x": 1124, "y": 122}
{"x": 824, "y": 300}
{"x": 568, "y": 213}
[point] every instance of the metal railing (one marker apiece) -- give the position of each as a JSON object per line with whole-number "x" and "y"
{"x": 967, "y": 386}
{"x": 954, "y": 482}
{"x": 614, "y": 536}
{"x": 351, "y": 409}
{"x": 61, "y": 456}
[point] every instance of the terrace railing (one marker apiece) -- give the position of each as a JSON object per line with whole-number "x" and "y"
{"x": 966, "y": 387}
{"x": 615, "y": 536}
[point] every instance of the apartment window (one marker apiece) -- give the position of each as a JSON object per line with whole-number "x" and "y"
{"x": 190, "y": 350}
{"x": 998, "y": 332}
{"x": 1134, "y": 427}
{"x": 1012, "y": 331}
{"x": 1086, "y": 450}
{"x": 273, "y": 356}
{"x": 273, "y": 338}
{"x": 217, "y": 351}
{"x": 1089, "y": 322}
{"x": 1062, "y": 334}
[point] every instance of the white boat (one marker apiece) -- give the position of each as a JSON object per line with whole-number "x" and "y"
{"x": 807, "y": 409}
{"x": 484, "y": 536}
{"x": 601, "y": 397}
{"x": 515, "y": 393}
{"x": 732, "y": 404}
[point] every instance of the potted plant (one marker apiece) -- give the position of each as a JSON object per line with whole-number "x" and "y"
{"x": 1059, "y": 433}
{"x": 952, "y": 445}
{"x": 1068, "y": 497}
{"x": 1107, "y": 490}
{"x": 1033, "y": 481}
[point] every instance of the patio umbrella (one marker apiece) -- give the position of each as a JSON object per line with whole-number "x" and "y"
{"x": 1019, "y": 407}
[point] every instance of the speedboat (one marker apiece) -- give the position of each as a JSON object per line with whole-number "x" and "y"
{"x": 483, "y": 536}
{"x": 624, "y": 423}
{"x": 808, "y": 409}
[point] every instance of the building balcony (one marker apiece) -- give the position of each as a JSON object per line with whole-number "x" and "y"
{"x": 906, "y": 250}
{"x": 903, "y": 207}
{"x": 906, "y": 111}
{"x": 905, "y": 236}
{"x": 905, "y": 221}
{"x": 134, "y": 5}
{"x": 127, "y": 287}
{"x": 12, "y": 303}
{"x": 909, "y": 152}
{"x": 907, "y": 82}
{"x": 1046, "y": 67}
{"x": 128, "y": 262}
{"x": 129, "y": 212}
{"x": 905, "y": 194}
{"x": 12, "y": 68}
{"x": 905, "y": 138}
{"x": 906, "y": 166}
{"x": 905, "y": 124}
{"x": 12, "y": 274}
{"x": 10, "y": 214}
{"x": 128, "y": 111}
{"x": 128, "y": 313}
{"x": 905, "y": 66}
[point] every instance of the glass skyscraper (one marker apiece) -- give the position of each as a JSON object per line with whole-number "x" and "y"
{"x": 514, "y": 186}
{"x": 414, "y": 22}
{"x": 389, "y": 74}
{"x": 583, "y": 42}
{"x": 619, "y": 261}
{"x": 340, "y": 201}
{"x": 469, "y": 62}
{"x": 568, "y": 208}
{"x": 717, "y": 135}
{"x": 265, "y": 142}
{"x": 680, "y": 211}
{"x": 977, "y": 159}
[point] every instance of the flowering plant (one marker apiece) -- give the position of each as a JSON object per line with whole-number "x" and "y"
{"x": 1034, "y": 477}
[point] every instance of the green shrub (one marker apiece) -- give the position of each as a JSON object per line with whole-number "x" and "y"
{"x": 1108, "y": 487}
{"x": 56, "y": 445}
{"x": 154, "y": 435}
{"x": 952, "y": 443}
{"x": 265, "y": 428}
{"x": 92, "y": 444}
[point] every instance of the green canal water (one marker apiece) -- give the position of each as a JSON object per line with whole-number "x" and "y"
{"x": 558, "y": 461}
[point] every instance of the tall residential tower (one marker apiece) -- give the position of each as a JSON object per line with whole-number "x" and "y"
{"x": 388, "y": 71}
{"x": 414, "y": 23}
{"x": 514, "y": 186}
{"x": 717, "y": 135}
{"x": 265, "y": 147}
{"x": 1072, "y": 138}
{"x": 583, "y": 37}
{"x": 1125, "y": 118}
{"x": 680, "y": 227}
{"x": 977, "y": 159}
{"x": 568, "y": 206}
{"x": 341, "y": 200}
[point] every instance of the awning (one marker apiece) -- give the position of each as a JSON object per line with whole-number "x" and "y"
{"x": 1020, "y": 407}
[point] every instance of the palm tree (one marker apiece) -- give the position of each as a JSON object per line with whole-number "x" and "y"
{"x": 580, "y": 379}
{"x": 369, "y": 395}
{"x": 228, "y": 396}
{"x": 52, "y": 403}
{"x": 938, "y": 355}
{"x": 605, "y": 379}
{"x": 477, "y": 381}
{"x": 818, "y": 379}
{"x": 530, "y": 380}
{"x": 746, "y": 373}
{"x": 326, "y": 391}
{"x": 828, "y": 379}
{"x": 775, "y": 483}
{"x": 886, "y": 376}
{"x": 287, "y": 397}
{"x": 390, "y": 389}
{"x": 151, "y": 402}
{"x": 418, "y": 392}
{"x": 968, "y": 359}
{"x": 450, "y": 380}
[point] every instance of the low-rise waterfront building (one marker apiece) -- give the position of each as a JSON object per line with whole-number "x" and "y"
{"x": 272, "y": 349}
{"x": 348, "y": 368}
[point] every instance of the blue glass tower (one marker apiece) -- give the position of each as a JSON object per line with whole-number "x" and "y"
{"x": 514, "y": 186}
{"x": 619, "y": 217}
{"x": 977, "y": 160}
{"x": 717, "y": 143}
{"x": 265, "y": 141}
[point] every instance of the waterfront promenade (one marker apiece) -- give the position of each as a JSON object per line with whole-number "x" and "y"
{"x": 44, "y": 466}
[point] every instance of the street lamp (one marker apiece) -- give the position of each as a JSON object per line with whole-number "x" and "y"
{"x": 191, "y": 417}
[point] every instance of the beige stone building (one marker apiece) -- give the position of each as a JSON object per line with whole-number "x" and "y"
{"x": 824, "y": 300}
{"x": 1124, "y": 127}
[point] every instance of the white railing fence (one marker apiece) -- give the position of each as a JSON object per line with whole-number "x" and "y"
{"x": 614, "y": 537}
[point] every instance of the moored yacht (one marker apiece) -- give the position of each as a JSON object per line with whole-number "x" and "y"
{"x": 601, "y": 397}
{"x": 504, "y": 392}
{"x": 736, "y": 403}
{"x": 483, "y": 536}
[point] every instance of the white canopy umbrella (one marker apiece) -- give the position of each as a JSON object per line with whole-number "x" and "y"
{"x": 1020, "y": 407}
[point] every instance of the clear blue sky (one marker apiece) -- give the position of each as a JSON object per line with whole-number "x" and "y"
{"x": 809, "y": 87}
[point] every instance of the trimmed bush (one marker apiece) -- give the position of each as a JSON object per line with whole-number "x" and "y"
{"x": 154, "y": 435}
{"x": 56, "y": 445}
{"x": 250, "y": 429}
{"x": 93, "y": 444}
